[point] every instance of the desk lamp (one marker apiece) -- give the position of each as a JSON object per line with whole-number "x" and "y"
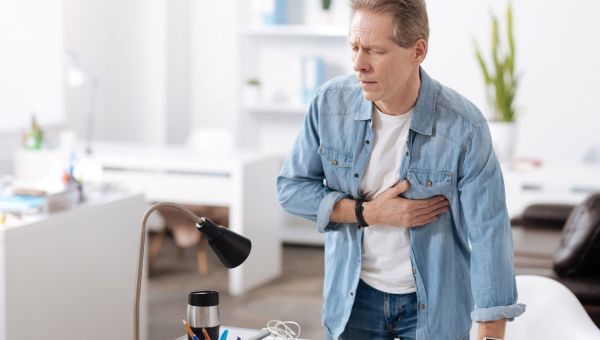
{"x": 231, "y": 248}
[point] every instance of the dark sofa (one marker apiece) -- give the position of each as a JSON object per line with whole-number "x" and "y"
{"x": 563, "y": 242}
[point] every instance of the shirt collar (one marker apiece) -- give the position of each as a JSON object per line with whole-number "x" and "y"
{"x": 423, "y": 116}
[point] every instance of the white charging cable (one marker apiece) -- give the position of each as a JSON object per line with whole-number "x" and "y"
{"x": 283, "y": 329}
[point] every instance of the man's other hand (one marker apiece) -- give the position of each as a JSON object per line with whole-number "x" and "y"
{"x": 493, "y": 329}
{"x": 391, "y": 209}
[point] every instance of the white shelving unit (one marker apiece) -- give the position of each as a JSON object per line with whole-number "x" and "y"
{"x": 273, "y": 55}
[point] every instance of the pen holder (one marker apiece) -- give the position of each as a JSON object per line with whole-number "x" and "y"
{"x": 203, "y": 312}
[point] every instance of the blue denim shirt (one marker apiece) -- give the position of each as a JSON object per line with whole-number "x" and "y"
{"x": 462, "y": 262}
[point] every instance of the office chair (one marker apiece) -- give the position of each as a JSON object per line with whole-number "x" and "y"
{"x": 579, "y": 251}
{"x": 553, "y": 312}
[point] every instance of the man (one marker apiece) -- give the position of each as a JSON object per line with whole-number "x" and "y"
{"x": 400, "y": 174}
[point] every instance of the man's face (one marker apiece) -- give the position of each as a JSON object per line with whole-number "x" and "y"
{"x": 382, "y": 67}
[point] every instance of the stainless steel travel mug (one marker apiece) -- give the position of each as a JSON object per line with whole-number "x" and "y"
{"x": 203, "y": 312}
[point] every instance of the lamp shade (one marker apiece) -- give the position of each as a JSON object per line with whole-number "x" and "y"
{"x": 74, "y": 74}
{"x": 231, "y": 248}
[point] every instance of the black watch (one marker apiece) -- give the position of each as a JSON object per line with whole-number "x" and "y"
{"x": 358, "y": 210}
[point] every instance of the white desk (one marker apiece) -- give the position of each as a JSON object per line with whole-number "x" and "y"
{"x": 71, "y": 274}
{"x": 245, "y": 182}
{"x": 234, "y": 332}
{"x": 557, "y": 183}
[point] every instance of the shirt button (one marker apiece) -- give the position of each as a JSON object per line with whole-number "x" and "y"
{"x": 429, "y": 184}
{"x": 334, "y": 162}
{"x": 421, "y": 306}
{"x": 414, "y": 272}
{"x": 356, "y": 175}
{"x": 351, "y": 293}
{"x": 367, "y": 141}
{"x": 406, "y": 154}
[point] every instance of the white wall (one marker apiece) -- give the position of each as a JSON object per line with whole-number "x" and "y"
{"x": 130, "y": 46}
{"x": 557, "y": 58}
{"x": 31, "y": 63}
{"x": 213, "y": 63}
{"x": 31, "y": 70}
{"x": 124, "y": 44}
{"x": 178, "y": 71}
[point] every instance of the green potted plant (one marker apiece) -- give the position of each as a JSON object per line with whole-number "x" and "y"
{"x": 501, "y": 83}
{"x": 325, "y": 4}
{"x": 252, "y": 95}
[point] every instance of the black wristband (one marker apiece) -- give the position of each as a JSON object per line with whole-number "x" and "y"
{"x": 358, "y": 210}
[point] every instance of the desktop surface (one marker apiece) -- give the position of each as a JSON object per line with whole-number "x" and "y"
{"x": 234, "y": 333}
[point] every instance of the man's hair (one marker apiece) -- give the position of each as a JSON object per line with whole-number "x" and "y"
{"x": 410, "y": 18}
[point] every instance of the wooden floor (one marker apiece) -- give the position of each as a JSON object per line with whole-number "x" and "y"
{"x": 296, "y": 295}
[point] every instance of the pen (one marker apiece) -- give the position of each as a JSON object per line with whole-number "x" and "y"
{"x": 206, "y": 336}
{"x": 188, "y": 329}
{"x": 224, "y": 335}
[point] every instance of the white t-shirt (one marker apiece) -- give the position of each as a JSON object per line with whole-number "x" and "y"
{"x": 385, "y": 263}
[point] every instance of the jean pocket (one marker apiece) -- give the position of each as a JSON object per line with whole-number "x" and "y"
{"x": 337, "y": 166}
{"x": 425, "y": 183}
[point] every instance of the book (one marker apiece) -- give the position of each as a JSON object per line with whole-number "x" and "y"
{"x": 22, "y": 204}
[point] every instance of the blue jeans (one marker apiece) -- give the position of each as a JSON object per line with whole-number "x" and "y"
{"x": 378, "y": 315}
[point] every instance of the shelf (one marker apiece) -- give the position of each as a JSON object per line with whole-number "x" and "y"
{"x": 273, "y": 109}
{"x": 269, "y": 118}
{"x": 297, "y": 31}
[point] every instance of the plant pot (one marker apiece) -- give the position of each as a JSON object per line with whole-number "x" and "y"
{"x": 316, "y": 13}
{"x": 325, "y": 17}
{"x": 504, "y": 135}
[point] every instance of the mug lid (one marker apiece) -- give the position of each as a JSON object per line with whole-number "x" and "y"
{"x": 203, "y": 298}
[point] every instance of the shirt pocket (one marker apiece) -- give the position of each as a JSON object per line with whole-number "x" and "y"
{"x": 426, "y": 183}
{"x": 337, "y": 166}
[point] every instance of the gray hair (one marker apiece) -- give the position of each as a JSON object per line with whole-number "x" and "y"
{"x": 410, "y": 18}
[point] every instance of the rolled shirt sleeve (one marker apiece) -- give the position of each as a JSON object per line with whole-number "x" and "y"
{"x": 483, "y": 205}
{"x": 496, "y": 313}
{"x": 325, "y": 210}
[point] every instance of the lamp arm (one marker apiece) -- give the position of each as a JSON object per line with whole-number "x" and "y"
{"x": 140, "y": 262}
